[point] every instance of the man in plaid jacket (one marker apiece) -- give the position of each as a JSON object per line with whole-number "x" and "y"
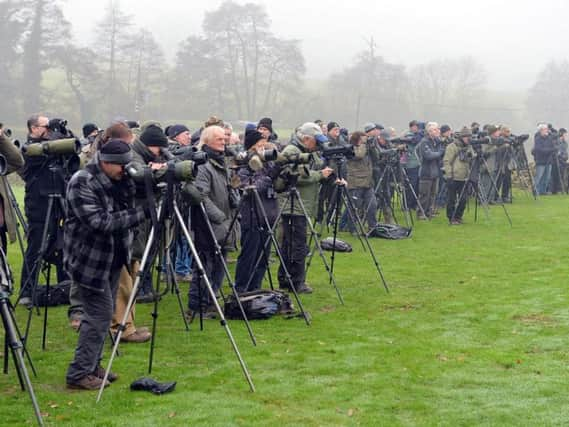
{"x": 97, "y": 243}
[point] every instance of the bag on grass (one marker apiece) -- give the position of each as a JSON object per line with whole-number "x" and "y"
{"x": 390, "y": 231}
{"x": 341, "y": 246}
{"x": 58, "y": 295}
{"x": 260, "y": 304}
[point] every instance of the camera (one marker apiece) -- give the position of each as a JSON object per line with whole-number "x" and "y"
{"x": 243, "y": 158}
{"x": 58, "y": 129}
{"x": 178, "y": 171}
{"x": 338, "y": 152}
{"x": 389, "y": 156}
{"x": 294, "y": 159}
{"x": 190, "y": 153}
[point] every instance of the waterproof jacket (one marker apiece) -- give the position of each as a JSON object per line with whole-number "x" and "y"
{"x": 456, "y": 161}
{"x": 360, "y": 172}
{"x": 262, "y": 180}
{"x": 309, "y": 176}
{"x": 100, "y": 215}
{"x": 410, "y": 160}
{"x": 213, "y": 181}
{"x": 543, "y": 149}
{"x": 430, "y": 152}
{"x": 14, "y": 162}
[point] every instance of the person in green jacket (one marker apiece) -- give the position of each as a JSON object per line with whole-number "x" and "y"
{"x": 307, "y": 177}
{"x": 456, "y": 168}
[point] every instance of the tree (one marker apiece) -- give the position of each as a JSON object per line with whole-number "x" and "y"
{"x": 547, "y": 98}
{"x": 47, "y": 31}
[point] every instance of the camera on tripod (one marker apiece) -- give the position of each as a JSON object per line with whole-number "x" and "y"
{"x": 294, "y": 159}
{"x": 389, "y": 157}
{"x": 177, "y": 171}
{"x": 190, "y": 153}
{"x": 266, "y": 155}
{"x": 338, "y": 152}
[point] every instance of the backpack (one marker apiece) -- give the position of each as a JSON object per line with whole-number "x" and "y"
{"x": 341, "y": 246}
{"x": 259, "y": 304}
{"x": 58, "y": 295}
{"x": 390, "y": 231}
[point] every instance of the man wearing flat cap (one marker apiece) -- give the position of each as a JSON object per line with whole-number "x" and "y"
{"x": 98, "y": 233}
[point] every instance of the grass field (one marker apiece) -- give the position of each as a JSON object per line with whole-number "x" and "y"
{"x": 474, "y": 332}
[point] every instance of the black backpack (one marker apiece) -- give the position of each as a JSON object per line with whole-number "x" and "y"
{"x": 390, "y": 231}
{"x": 58, "y": 295}
{"x": 260, "y": 304}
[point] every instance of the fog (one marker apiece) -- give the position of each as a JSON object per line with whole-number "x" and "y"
{"x": 352, "y": 62}
{"x": 512, "y": 39}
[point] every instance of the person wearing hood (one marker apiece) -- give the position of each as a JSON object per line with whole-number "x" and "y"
{"x": 306, "y": 139}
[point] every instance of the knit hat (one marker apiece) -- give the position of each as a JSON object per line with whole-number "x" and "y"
{"x": 332, "y": 125}
{"x": 251, "y": 138}
{"x": 153, "y": 136}
{"x": 445, "y": 128}
{"x": 175, "y": 130}
{"x": 89, "y": 128}
{"x": 116, "y": 151}
{"x": 266, "y": 122}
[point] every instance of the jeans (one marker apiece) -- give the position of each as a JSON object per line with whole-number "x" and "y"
{"x": 97, "y": 314}
{"x": 542, "y": 178}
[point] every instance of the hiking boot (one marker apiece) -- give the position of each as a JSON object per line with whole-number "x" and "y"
{"x": 303, "y": 289}
{"x": 89, "y": 382}
{"x": 100, "y": 373}
{"x": 137, "y": 337}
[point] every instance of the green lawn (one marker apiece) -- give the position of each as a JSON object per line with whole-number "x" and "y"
{"x": 474, "y": 332}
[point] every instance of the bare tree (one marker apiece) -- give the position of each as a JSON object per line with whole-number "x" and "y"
{"x": 547, "y": 98}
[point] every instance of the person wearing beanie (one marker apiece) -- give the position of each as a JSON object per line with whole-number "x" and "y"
{"x": 265, "y": 126}
{"x": 253, "y": 227}
{"x": 456, "y": 168}
{"x": 97, "y": 239}
{"x": 411, "y": 163}
{"x": 89, "y": 130}
{"x": 149, "y": 149}
{"x": 179, "y": 136}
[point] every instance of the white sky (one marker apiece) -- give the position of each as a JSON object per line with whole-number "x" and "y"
{"x": 513, "y": 39}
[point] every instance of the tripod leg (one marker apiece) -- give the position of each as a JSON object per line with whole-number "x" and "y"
{"x": 16, "y": 347}
{"x": 223, "y": 322}
{"x": 295, "y": 194}
{"x": 220, "y": 257}
{"x": 375, "y": 261}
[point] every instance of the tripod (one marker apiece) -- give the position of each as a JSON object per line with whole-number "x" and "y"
{"x": 52, "y": 223}
{"x": 345, "y": 197}
{"x": 264, "y": 227}
{"x": 472, "y": 184}
{"x": 13, "y": 338}
{"x": 147, "y": 258}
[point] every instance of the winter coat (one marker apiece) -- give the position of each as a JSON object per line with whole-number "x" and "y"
{"x": 430, "y": 153}
{"x": 263, "y": 182}
{"x": 309, "y": 176}
{"x": 360, "y": 173}
{"x": 543, "y": 149}
{"x": 410, "y": 157}
{"x": 100, "y": 215}
{"x": 456, "y": 161}
{"x": 213, "y": 181}
{"x": 14, "y": 162}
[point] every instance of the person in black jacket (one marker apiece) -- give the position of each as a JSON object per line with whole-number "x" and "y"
{"x": 253, "y": 228}
{"x": 543, "y": 152}
{"x": 40, "y": 182}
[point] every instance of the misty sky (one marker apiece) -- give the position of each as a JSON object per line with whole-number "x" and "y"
{"x": 513, "y": 39}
